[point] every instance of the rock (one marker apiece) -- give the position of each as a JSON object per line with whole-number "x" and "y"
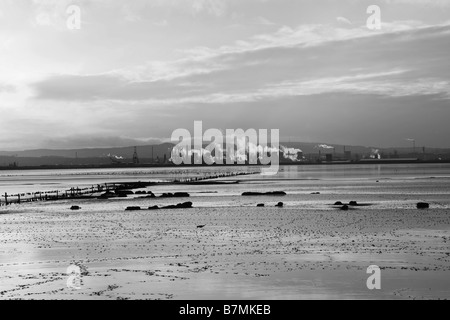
{"x": 260, "y": 205}
{"x": 181, "y": 195}
{"x": 338, "y": 203}
{"x": 175, "y": 195}
{"x": 133, "y": 208}
{"x": 315, "y": 193}
{"x": 153, "y": 208}
{"x": 184, "y": 205}
{"x": 126, "y": 192}
{"x": 107, "y": 195}
{"x": 201, "y": 226}
{"x": 280, "y": 205}
{"x": 353, "y": 203}
{"x": 166, "y": 195}
{"x": 75, "y": 208}
{"x": 345, "y": 207}
{"x": 423, "y": 205}
{"x": 273, "y": 193}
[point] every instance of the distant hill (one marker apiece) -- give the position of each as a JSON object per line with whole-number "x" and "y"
{"x": 125, "y": 152}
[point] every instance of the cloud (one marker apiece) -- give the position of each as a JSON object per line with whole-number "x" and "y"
{"x": 141, "y": 68}
{"x": 93, "y": 141}
{"x": 7, "y": 88}
{"x": 431, "y": 3}
{"x": 271, "y": 67}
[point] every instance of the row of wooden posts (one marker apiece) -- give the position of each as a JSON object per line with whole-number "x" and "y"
{"x": 53, "y": 195}
{"x": 107, "y": 187}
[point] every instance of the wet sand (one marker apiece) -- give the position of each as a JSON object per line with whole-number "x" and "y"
{"x": 306, "y": 250}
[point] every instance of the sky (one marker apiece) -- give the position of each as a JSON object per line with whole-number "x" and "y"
{"x": 137, "y": 70}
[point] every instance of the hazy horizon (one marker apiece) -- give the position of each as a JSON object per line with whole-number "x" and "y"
{"x": 136, "y": 71}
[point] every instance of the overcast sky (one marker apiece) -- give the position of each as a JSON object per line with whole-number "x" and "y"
{"x": 137, "y": 70}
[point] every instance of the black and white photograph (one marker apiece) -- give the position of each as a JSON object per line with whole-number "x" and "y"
{"x": 235, "y": 151}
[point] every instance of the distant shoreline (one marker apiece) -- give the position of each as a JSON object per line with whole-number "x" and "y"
{"x": 128, "y": 166}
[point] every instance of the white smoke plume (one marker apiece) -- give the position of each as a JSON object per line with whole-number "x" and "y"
{"x": 323, "y": 146}
{"x": 115, "y": 157}
{"x": 375, "y": 154}
{"x": 290, "y": 153}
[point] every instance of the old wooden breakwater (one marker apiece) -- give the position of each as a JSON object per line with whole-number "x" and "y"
{"x": 93, "y": 191}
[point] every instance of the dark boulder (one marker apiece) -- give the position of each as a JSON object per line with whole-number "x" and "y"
{"x": 280, "y": 205}
{"x": 181, "y": 195}
{"x": 184, "y": 205}
{"x": 353, "y": 203}
{"x": 344, "y": 207}
{"x": 75, "y": 208}
{"x": 133, "y": 209}
{"x": 260, "y": 205}
{"x": 153, "y": 208}
{"x": 273, "y": 193}
{"x": 175, "y": 195}
{"x": 127, "y": 192}
{"x": 423, "y": 205}
{"x": 338, "y": 203}
{"x": 166, "y": 195}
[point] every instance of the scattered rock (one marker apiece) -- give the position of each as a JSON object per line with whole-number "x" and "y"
{"x": 260, "y": 205}
{"x": 126, "y": 192}
{"x": 175, "y": 195}
{"x": 148, "y": 195}
{"x": 107, "y": 195}
{"x": 315, "y": 193}
{"x": 345, "y": 207}
{"x": 423, "y": 205}
{"x": 273, "y": 193}
{"x": 75, "y": 208}
{"x": 184, "y": 205}
{"x": 133, "y": 208}
{"x": 201, "y": 226}
{"x": 280, "y": 205}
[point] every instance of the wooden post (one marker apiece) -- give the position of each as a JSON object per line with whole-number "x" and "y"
{"x": 18, "y": 198}
{"x": 6, "y": 198}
